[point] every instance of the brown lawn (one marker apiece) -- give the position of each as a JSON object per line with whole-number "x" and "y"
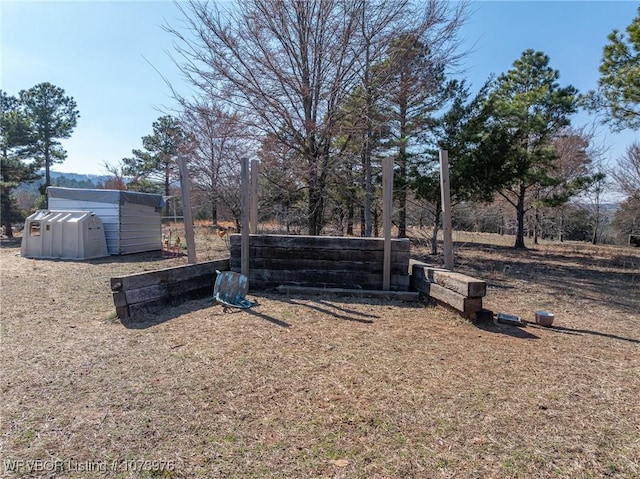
{"x": 322, "y": 386}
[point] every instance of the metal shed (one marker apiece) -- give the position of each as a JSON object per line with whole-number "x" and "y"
{"x": 132, "y": 221}
{"x": 63, "y": 234}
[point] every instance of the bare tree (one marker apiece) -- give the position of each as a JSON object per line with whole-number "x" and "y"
{"x": 418, "y": 59}
{"x": 627, "y": 172}
{"x": 116, "y": 180}
{"x": 379, "y": 22}
{"x": 286, "y": 65}
{"x": 282, "y": 197}
{"x": 216, "y": 145}
{"x": 577, "y": 172}
{"x": 627, "y": 175}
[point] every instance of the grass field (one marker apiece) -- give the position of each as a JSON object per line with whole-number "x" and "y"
{"x": 326, "y": 387}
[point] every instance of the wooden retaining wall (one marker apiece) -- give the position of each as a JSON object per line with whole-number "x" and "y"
{"x": 321, "y": 261}
{"x": 139, "y": 293}
{"x": 458, "y": 291}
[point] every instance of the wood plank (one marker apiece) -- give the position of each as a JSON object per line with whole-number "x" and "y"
{"x": 359, "y": 293}
{"x": 467, "y": 306}
{"x": 458, "y": 282}
{"x": 348, "y": 279}
{"x": 322, "y": 254}
{"x": 461, "y": 283}
{"x": 244, "y": 214}
{"x": 146, "y": 294}
{"x": 141, "y": 311}
{"x": 138, "y": 280}
{"x": 321, "y": 242}
{"x": 387, "y": 209}
{"x": 423, "y": 270}
{"x": 165, "y": 275}
{"x": 253, "y": 210}
{"x": 324, "y": 265}
{"x": 447, "y": 243}
{"x": 175, "y": 291}
{"x": 119, "y": 299}
{"x": 183, "y": 273}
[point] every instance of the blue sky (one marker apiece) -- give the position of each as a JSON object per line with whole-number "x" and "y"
{"x": 105, "y": 55}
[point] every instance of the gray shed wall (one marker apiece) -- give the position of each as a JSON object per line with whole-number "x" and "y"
{"x": 129, "y": 226}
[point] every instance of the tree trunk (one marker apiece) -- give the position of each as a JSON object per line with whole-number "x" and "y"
{"x": 6, "y": 216}
{"x": 47, "y": 173}
{"x": 214, "y": 213}
{"x": 520, "y": 219}
{"x": 376, "y": 225}
{"x": 315, "y": 208}
{"x": 5, "y": 199}
{"x": 561, "y": 227}
{"x": 436, "y": 228}
{"x": 596, "y": 226}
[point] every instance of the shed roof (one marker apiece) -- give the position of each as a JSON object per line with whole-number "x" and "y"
{"x": 106, "y": 196}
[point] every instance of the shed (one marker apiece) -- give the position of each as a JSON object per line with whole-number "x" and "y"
{"x": 63, "y": 234}
{"x": 132, "y": 221}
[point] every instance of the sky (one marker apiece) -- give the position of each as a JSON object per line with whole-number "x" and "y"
{"x": 113, "y": 58}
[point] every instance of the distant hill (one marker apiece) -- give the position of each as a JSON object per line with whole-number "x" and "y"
{"x": 68, "y": 180}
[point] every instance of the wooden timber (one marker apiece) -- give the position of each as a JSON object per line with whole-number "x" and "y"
{"x": 144, "y": 292}
{"x": 466, "y": 306}
{"x": 322, "y": 261}
{"x": 458, "y": 291}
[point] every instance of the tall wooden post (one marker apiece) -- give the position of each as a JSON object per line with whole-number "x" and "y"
{"x": 244, "y": 216}
{"x": 253, "y": 214}
{"x": 387, "y": 205}
{"x": 446, "y": 210}
{"x": 185, "y": 187}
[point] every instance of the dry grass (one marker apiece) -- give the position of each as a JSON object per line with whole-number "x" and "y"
{"x": 327, "y": 387}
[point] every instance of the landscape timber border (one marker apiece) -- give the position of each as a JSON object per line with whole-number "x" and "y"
{"x": 309, "y": 265}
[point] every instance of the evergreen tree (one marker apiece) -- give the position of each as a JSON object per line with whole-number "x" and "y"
{"x": 16, "y": 137}
{"x": 618, "y": 94}
{"x": 52, "y": 116}
{"x": 417, "y": 90}
{"x": 156, "y": 163}
{"x": 530, "y": 108}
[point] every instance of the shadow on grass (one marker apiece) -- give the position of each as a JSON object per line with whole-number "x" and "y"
{"x": 349, "y": 316}
{"x": 157, "y": 315}
{"x": 568, "y": 273}
{"x": 580, "y": 332}
{"x": 270, "y": 319}
{"x": 513, "y": 331}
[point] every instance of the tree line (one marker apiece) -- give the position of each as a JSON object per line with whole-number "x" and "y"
{"x": 31, "y": 127}
{"x": 322, "y": 91}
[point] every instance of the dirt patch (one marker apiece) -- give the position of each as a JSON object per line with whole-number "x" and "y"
{"x": 326, "y": 387}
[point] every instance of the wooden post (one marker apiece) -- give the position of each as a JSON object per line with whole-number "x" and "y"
{"x": 253, "y": 216}
{"x": 244, "y": 216}
{"x": 387, "y": 205}
{"x": 446, "y": 210}
{"x": 185, "y": 187}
